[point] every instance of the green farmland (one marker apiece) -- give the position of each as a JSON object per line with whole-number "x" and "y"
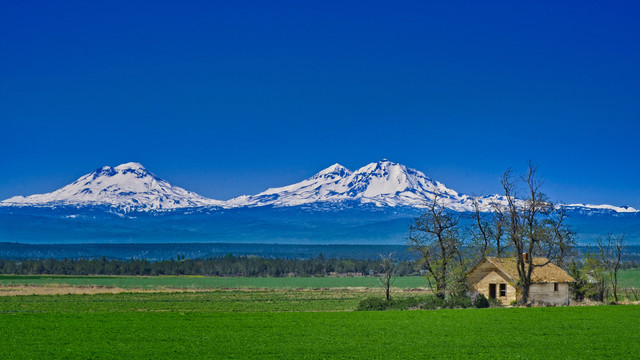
{"x": 288, "y": 324}
{"x": 629, "y": 278}
{"x": 290, "y": 318}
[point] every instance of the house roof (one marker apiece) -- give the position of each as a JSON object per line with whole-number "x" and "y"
{"x": 541, "y": 274}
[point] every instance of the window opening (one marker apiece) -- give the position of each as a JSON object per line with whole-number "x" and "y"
{"x": 503, "y": 289}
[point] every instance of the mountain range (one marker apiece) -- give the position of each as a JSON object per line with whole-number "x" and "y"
{"x": 130, "y": 187}
{"x": 373, "y": 205}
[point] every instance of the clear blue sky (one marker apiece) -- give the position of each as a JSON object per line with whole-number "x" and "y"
{"x": 228, "y": 97}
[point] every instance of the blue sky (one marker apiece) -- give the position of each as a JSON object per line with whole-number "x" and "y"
{"x": 229, "y": 98}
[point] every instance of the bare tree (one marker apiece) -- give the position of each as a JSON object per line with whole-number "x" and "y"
{"x": 386, "y": 278}
{"x": 434, "y": 235}
{"x": 498, "y": 230}
{"x": 611, "y": 256}
{"x": 535, "y": 226}
{"x": 481, "y": 231}
{"x": 488, "y": 230}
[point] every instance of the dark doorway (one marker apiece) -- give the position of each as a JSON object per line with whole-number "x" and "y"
{"x": 492, "y": 291}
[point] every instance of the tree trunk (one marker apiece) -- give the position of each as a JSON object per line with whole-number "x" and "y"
{"x": 615, "y": 285}
{"x": 525, "y": 294}
{"x": 441, "y": 285}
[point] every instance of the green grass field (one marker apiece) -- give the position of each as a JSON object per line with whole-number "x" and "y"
{"x": 301, "y": 324}
{"x": 629, "y": 278}
{"x": 270, "y": 319}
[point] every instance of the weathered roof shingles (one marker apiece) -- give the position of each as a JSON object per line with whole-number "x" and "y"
{"x": 548, "y": 273}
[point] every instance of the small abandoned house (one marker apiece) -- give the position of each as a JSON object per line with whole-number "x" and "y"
{"x": 497, "y": 278}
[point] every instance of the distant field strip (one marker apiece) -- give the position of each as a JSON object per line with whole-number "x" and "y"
{"x": 627, "y": 278}
{"x": 190, "y": 282}
{"x": 202, "y": 301}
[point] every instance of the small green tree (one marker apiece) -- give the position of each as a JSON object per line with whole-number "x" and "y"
{"x": 458, "y": 284}
{"x": 578, "y": 289}
{"x": 596, "y": 274}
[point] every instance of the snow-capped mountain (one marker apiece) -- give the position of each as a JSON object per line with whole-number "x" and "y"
{"x": 127, "y": 187}
{"x": 384, "y": 183}
{"x": 372, "y": 205}
{"x": 591, "y": 207}
{"x": 131, "y": 187}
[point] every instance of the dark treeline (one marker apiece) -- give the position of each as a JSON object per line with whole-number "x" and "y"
{"x": 222, "y": 266}
{"x": 229, "y": 265}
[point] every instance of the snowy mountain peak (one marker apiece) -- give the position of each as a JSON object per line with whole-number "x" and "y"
{"x": 131, "y": 166}
{"x": 393, "y": 184}
{"x": 383, "y": 183}
{"x": 380, "y": 166}
{"x": 127, "y": 186}
{"x": 335, "y": 170}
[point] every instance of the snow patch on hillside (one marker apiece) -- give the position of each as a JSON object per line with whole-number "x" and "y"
{"x": 620, "y": 209}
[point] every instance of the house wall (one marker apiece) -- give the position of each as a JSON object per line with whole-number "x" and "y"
{"x": 493, "y": 277}
{"x": 480, "y": 271}
{"x": 544, "y": 293}
{"x": 486, "y": 273}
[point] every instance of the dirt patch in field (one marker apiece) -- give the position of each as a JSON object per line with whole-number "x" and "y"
{"x": 15, "y": 290}
{"x": 61, "y": 289}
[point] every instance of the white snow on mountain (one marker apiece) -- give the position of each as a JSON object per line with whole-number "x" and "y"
{"x": 384, "y": 183}
{"x": 620, "y": 209}
{"x": 128, "y": 187}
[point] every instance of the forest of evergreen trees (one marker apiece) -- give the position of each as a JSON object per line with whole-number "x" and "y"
{"x": 221, "y": 266}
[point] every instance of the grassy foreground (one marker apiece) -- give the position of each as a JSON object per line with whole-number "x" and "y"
{"x": 287, "y": 324}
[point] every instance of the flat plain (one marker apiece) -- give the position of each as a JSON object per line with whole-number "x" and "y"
{"x": 175, "y": 317}
{"x": 289, "y": 324}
